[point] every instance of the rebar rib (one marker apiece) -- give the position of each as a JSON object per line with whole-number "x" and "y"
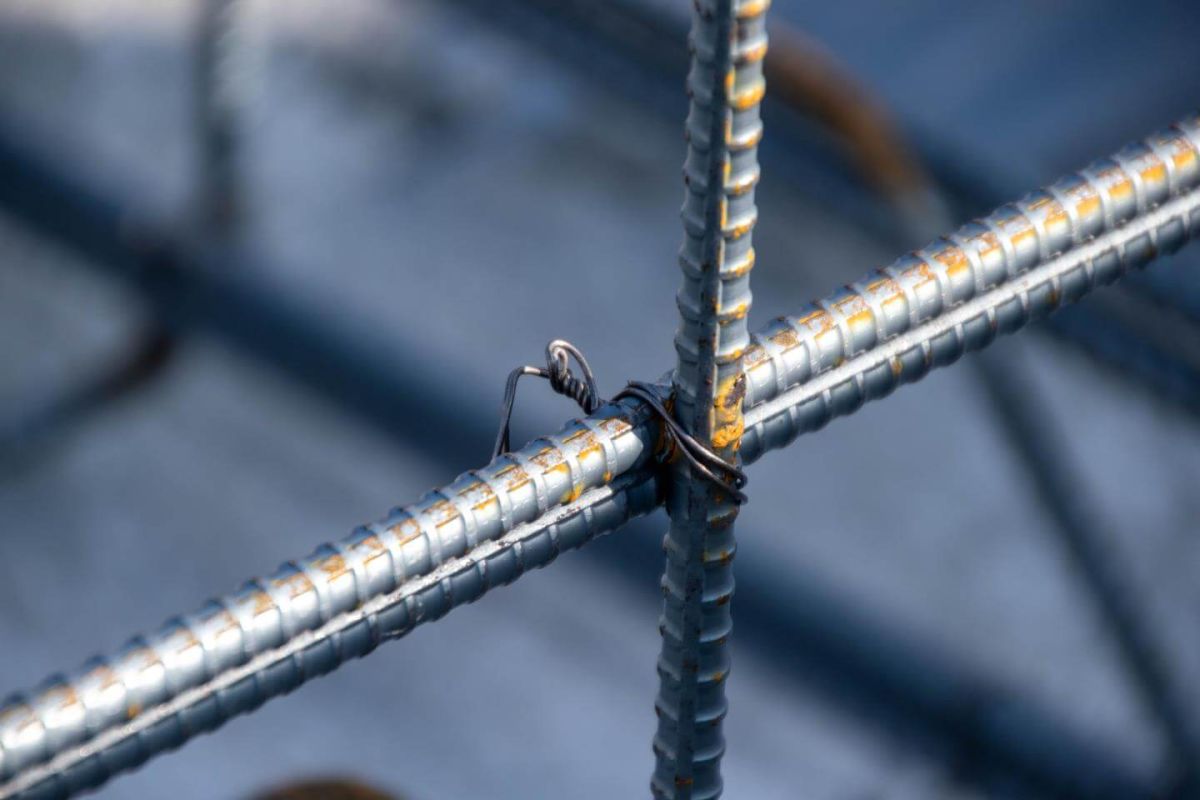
{"x": 925, "y": 310}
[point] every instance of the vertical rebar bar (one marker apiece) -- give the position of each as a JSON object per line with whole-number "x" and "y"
{"x": 216, "y": 100}
{"x": 725, "y": 84}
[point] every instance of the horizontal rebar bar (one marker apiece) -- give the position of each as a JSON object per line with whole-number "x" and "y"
{"x": 925, "y": 310}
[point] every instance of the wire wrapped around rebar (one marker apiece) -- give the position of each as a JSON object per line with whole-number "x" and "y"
{"x": 562, "y": 381}
{"x": 704, "y": 462}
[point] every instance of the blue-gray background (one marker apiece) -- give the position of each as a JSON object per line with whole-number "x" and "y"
{"x": 452, "y": 189}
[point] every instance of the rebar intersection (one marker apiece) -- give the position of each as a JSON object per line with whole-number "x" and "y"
{"x": 489, "y": 526}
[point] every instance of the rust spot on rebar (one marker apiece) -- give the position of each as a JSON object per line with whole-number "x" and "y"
{"x": 106, "y": 676}
{"x": 547, "y": 458}
{"x": 188, "y": 637}
{"x": 594, "y": 448}
{"x": 754, "y": 355}
{"x": 405, "y": 531}
{"x": 479, "y": 495}
{"x": 1121, "y": 188}
{"x": 920, "y": 270}
{"x": 514, "y": 477}
{"x": 263, "y": 604}
{"x": 991, "y": 243}
{"x": 740, "y": 268}
{"x": 561, "y": 466}
{"x": 752, "y": 8}
{"x": 579, "y": 434}
{"x": 897, "y": 367}
{"x": 737, "y": 312}
{"x": 1184, "y": 155}
{"x": 62, "y": 695}
{"x": 334, "y": 567}
{"x": 953, "y": 259}
{"x": 856, "y": 310}
{"x": 1156, "y": 172}
{"x": 443, "y": 513}
{"x": 1017, "y": 227}
{"x": 739, "y": 228}
{"x": 370, "y": 543}
{"x": 297, "y": 582}
{"x": 615, "y": 427}
{"x": 753, "y": 54}
{"x": 749, "y": 97}
{"x": 818, "y": 321}
{"x": 133, "y": 710}
{"x": 786, "y": 338}
{"x": 572, "y": 494}
{"x": 1057, "y": 216}
{"x": 728, "y": 422}
{"x": 723, "y": 519}
{"x": 374, "y": 547}
{"x": 1038, "y": 204}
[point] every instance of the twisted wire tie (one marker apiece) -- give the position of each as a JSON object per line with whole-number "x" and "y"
{"x": 701, "y": 459}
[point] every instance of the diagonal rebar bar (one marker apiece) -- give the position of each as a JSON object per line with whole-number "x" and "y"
{"x": 728, "y": 43}
{"x": 991, "y": 276}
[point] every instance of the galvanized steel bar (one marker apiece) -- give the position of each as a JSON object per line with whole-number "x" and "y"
{"x": 297, "y": 624}
{"x": 990, "y": 276}
{"x": 923, "y": 311}
{"x": 217, "y": 87}
{"x": 723, "y": 129}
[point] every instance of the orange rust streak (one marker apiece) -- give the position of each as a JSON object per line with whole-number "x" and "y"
{"x": 752, "y": 8}
{"x": 864, "y": 317}
{"x": 371, "y": 543}
{"x": 1184, "y": 156}
{"x": 748, "y": 98}
{"x": 1088, "y": 206}
{"x": 787, "y": 339}
{"x": 561, "y": 466}
{"x": 991, "y": 242}
{"x": 593, "y": 449}
{"x": 1156, "y": 173}
{"x": 333, "y": 566}
{"x": 298, "y": 582}
{"x": 263, "y": 603}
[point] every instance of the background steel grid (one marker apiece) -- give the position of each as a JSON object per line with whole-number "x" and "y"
{"x": 728, "y": 42}
{"x": 1141, "y": 203}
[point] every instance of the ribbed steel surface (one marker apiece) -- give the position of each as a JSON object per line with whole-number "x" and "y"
{"x": 892, "y": 327}
{"x": 725, "y": 84}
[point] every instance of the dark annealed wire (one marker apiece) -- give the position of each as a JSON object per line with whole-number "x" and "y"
{"x": 703, "y": 461}
{"x": 562, "y": 381}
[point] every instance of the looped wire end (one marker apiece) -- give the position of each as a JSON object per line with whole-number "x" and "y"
{"x": 562, "y": 381}
{"x": 703, "y": 461}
